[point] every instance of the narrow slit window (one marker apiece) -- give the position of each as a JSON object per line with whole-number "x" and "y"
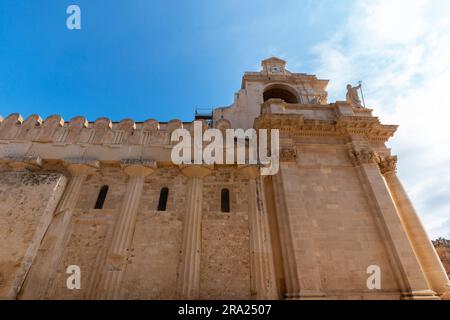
{"x": 225, "y": 200}
{"x": 101, "y": 197}
{"x": 163, "y": 196}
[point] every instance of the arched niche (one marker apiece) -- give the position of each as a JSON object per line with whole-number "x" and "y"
{"x": 280, "y": 91}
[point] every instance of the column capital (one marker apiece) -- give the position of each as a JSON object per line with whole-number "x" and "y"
{"x": 363, "y": 156}
{"x": 250, "y": 171}
{"x": 198, "y": 171}
{"x": 23, "y": 162}
{"x": 388, "y": 164}
{"x": 136, "y": 167}
{"x": 81, "y": 167}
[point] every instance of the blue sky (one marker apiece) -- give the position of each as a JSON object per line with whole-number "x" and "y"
{"x": 146, "y": 59}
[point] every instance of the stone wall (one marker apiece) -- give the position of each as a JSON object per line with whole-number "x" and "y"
{"x": 27, "y": 203}
{"x": 225, "y": 259}
{"x": 334, "y": 230}
{"x": 152, "y": 269}
{"x": 443, "y": 249}
{"x": 154, "y": 256}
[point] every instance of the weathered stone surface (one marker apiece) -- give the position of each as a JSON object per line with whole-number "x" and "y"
{"x": 27, "y": 203}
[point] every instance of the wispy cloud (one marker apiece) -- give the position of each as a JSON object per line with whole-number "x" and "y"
{"x": 401, "y": 49}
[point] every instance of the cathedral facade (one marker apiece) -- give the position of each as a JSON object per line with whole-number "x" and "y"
{"x": 103, "y": 200}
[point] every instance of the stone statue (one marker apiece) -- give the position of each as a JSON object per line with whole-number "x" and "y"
{"x": 353, "y": 97}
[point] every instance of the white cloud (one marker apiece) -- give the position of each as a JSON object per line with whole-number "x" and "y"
{"x": 401, "y": 49}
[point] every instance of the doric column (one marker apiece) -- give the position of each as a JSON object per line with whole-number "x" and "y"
{"x": 422, "y": 245}
{"x": 411, "y": 278}
{"x": 287, "y": 247}
{"x": 43, "y": 270}
{"x": 124, "y": 228}
{"x": 188, "y": 282}
{"x": 263, "y": 284}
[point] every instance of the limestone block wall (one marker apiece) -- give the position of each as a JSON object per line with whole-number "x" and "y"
{"x": 27, "y": 203}
{"x": 89, "y": 234}
{"x": 334, "y": 232}
{"x": 152, "y": 269}
{"x": 225, "y": 256}
{"x": 154, "y": 256}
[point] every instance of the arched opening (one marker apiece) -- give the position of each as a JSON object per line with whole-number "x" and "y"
{"x": 225, "y": 200}
{"x": 163, "y": 196}
{"x": 280, "y": 92}
{"x": 101, "y": 197}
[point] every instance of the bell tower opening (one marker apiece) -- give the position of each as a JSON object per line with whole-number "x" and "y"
{"x": 280, "y": 92}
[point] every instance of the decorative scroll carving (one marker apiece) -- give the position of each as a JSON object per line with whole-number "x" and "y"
{"x": 388, "y": 164}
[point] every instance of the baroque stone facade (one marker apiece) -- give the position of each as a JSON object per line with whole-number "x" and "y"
{"x": 105, "y": 196}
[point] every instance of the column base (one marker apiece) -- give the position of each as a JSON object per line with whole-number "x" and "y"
{"x": 420, "y": 295}
{"x": 306, "y": 295}
{"x": 445, "y": 296}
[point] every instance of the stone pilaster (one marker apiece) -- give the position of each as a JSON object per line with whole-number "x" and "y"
{"x": 426, "y": 254}
{"x": 116, "y": 260}
{"x": 43, "y": 271}
{"x": 287, "y": 247}
{"x": 188, "y": 282}
{"x": 263, "y": 284}
{"x": 404, "y": 261}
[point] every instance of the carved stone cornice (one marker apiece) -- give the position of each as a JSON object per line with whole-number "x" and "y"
{"x": 388, "y": 164}
{"x": 296, "y": 124}
{"x": 368, "y": 126}
{"x": 286, "y": 122}
{"x": 363, "y": 156}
